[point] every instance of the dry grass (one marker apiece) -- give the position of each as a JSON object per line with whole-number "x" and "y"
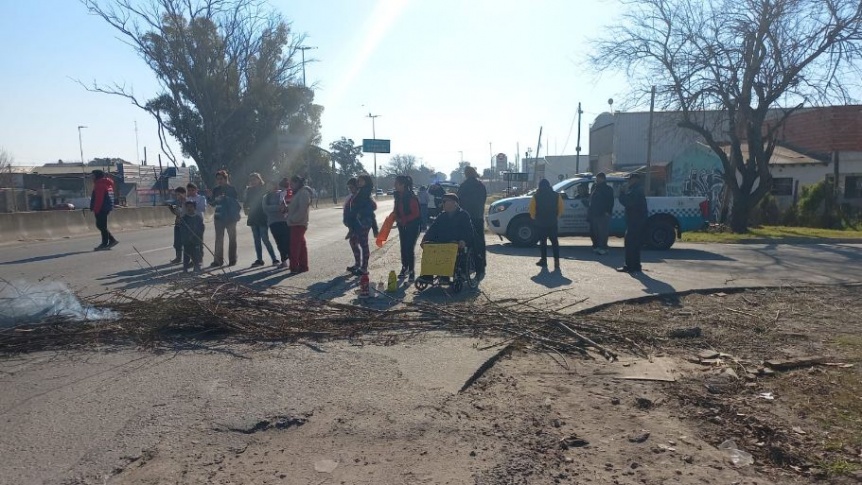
{"x": 814, "y": 424}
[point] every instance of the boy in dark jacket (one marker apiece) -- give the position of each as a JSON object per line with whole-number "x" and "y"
{"x": 102, "y": 203}
{"x": 192, "y": 235}
{"x": 178, "y": 209}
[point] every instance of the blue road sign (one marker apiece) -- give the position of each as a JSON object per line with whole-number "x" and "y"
{"x": 375, "y": 146}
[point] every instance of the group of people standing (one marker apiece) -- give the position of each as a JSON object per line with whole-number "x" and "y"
{"x": 283, "y": 211}
{"x": 546, "y": 207}
{"x": 411, "y": 215}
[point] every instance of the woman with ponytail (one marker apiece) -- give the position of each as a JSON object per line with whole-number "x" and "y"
{"x": 408, "y": 220}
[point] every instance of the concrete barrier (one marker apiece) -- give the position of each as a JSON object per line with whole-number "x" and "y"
{"x": 29, "y": 226}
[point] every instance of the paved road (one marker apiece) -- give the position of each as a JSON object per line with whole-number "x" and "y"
{"x": 138, "y": 265}
{"x": 73, "y": 417}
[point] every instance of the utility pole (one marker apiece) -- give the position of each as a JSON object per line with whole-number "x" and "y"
{"x": 374, "y": 136}
{"x": 83, "y": 163}
{"x": 536, "y": 159}
{"x": 649, "y": 144}
{"x": 491, "y": 153}
{"x": 578, "y": 147}
{"x": 517, "y": 156}
{"x": 303, "y": 48}
{"x": 137, "y": 147}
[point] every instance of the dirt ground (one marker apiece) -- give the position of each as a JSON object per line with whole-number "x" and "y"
{"x": 540, "y": 418}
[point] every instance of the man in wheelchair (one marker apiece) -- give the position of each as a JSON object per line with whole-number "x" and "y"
{"x": 451, "y": 226}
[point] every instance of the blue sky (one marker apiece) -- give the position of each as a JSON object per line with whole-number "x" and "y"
{"x": 445, "y": 76}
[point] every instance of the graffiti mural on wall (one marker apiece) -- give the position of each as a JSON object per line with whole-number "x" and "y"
{"x": 691, "y": 181}
{"x": 709, "y": 184}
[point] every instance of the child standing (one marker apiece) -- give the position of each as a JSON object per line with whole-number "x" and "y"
{"x": 178, "y": 209}
{"x": 192, "y": 233}
{"x": 361, "y": 218}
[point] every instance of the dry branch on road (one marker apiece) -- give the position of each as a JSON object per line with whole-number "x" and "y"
{"x": 215, "y": 307}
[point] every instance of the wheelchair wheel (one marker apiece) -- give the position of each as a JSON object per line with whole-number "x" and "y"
{"x": 420, "y": 284}
{"x": 457, "y": 284}
{"x": 471, "y": 274}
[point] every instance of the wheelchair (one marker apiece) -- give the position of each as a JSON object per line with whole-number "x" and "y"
{"x": 447, "y": 271}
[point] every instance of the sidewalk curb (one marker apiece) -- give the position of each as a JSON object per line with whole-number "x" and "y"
{"x": 723, "y": 289}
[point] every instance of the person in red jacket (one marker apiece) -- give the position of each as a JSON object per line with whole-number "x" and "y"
{"x": 102, "y": 203}
{"x": 408, "y": 218}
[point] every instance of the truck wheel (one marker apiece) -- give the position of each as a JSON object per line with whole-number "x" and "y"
{"x": 522, "y": 233}
{"x": 661, "y": 234}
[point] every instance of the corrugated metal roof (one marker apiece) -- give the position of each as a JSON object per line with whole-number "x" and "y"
{"x": 21, "y": 169}
{"x": 783, "y": 156}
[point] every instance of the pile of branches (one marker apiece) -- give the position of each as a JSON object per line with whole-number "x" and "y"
{"x": 219, "y": 308}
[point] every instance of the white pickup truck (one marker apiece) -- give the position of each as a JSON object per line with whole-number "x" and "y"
{"x": 669, "y": 217}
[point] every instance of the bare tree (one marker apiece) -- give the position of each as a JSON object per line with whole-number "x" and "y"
{"x": 6, "y": 161}
{"x": 227, "y": 75}
{"x": 755, "y": 62}
{"x": 401, "y": 165}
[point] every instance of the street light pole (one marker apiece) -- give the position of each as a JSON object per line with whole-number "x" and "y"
{"x": 83, "y": 163}
{"x": 374, "y": 136}
{"x": 303, "y": 49}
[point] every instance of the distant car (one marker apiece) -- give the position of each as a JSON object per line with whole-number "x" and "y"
{"x": 379, "y": 191}
{"x": 65, "y": 206}
{"x": 390, "y": 192}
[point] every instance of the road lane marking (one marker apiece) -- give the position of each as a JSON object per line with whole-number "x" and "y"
{"x": 150, "y": 251}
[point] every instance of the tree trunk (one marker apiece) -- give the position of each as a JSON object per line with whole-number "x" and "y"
{"x": 739, "y": 214}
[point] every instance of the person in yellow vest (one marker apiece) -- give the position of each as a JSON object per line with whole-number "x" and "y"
{"x": 546, "y": 207}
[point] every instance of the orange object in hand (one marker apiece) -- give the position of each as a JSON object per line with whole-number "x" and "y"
{"x": 383, "y": 235}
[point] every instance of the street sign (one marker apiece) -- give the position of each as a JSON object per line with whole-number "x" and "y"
{"x": 502, "y": 162}
{"x": 516, "y": 176}
{"x": 370, "y": 145}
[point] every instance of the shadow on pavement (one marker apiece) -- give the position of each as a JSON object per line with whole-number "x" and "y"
{"x": 334, "y": 288}
{"x": 262, "y": 280}
{"x": 585, "y": 253}
{"x": 442, "y": 294}
{"x": 653, "y": 286}
{"x": 551, "y": 279}
{"x": 36, "y": 259}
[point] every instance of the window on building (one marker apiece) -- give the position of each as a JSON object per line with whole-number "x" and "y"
{"x": 782, "y": 186}
{"x": 853, "y": 187}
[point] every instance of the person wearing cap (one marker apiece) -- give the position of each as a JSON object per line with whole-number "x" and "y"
{"x": 632, "y": 197}
{"x": 101, "y": 204}
{"x": 599, "y": 213}
{"x": 452, "y": 225}
{"x": 435, "y": 192}
{"x": 472, "y": 196}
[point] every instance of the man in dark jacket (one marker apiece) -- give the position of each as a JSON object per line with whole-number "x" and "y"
{"x": 102, "y": 203}
{"x": 599, "y": 212}
{"x": 472, "y": 196}
{"x": 634, "y": 200}
{"x": 452, "y": 225}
